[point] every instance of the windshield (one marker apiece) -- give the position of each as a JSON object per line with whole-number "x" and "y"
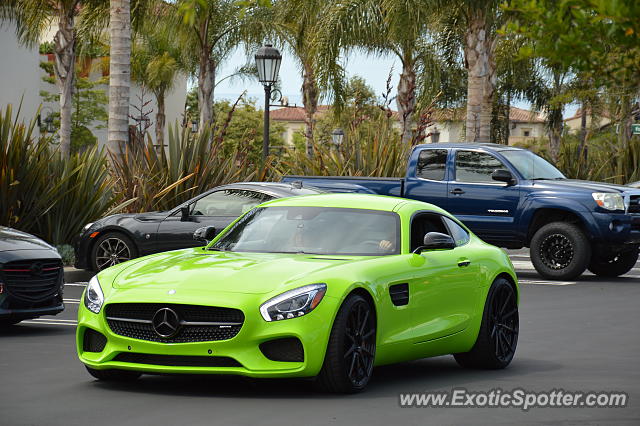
{"x": 531, "y": 166}
{"x": 314, "y": 230}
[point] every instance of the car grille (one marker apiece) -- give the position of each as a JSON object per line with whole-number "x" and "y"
{"x": 634, "y": 204}
{"x": 177, "y": 360}
{"x": 32, "y": 280}
{"x": 197, "y": 323}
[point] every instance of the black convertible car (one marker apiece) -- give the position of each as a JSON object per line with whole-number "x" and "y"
{"x": 31, "y": 277}
{"x": 121, "y": 237}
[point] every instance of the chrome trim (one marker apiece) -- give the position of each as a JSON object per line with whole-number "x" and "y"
{"x": 191, "y": 323}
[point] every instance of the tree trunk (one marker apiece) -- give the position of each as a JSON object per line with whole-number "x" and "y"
{"x": 406, "y": 100}
{"x": 624, "y": 134}
{"x": 119, "y": 74}
{"x": 206, "y": 77}
{"x": 310, "y": 95}
{"x": 582, "y": 146}
{"x": 555, "y": 118}
{"x": 160, "y": 120}
{"x": 64, "y": 68}
{"x": 479, "y": 62}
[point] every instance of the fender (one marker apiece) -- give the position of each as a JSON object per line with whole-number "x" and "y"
{"x": 535, "y": 202}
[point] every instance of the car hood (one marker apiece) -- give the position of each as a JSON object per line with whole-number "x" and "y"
{"x": 12, "y": 239}
{"x": 143, "y": 217}
{"x": 251, "y": 273}
{"x": 587, "y": 186}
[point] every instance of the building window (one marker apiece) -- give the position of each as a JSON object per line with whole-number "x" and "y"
{"x": 526, "y": 132}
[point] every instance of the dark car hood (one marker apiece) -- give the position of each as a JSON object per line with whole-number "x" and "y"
{"x": 587, "y": 186}
{"x": 12, "y": 239}
{"x": 142, "y": 217}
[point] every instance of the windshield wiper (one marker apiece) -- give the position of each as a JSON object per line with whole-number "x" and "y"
{"x": 215, "y": 249}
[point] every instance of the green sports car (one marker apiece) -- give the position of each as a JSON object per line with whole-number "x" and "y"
{"x": 325, "y": 286}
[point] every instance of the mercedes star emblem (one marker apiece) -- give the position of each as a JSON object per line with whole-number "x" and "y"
{"x": 166, "y": 322}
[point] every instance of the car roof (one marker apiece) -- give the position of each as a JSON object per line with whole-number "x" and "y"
{"x": 470, "y": 145}
{"x": 279, "y": 188}
{"x": 342, "y": 200}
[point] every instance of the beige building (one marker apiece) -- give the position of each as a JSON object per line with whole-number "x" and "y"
{"x": 575, "y": 123}
{"x": 21, "y": 81}
{"x": 448, "y": 124}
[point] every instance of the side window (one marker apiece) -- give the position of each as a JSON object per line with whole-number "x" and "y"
{"x": 229, "y": 202}
{"x": 424, "y": 223}
{"x": 457, "y": 232}
{"x": 474, "y": 166}
{"x": 431, "y": 164}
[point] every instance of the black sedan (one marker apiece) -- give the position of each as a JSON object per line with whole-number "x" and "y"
{"x": 31, "y": 277}
{"x": 121, "y": 237}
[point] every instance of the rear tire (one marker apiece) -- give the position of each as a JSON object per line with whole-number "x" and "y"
{"x": 348, "y": 362}
{"x": 560, "y": 251}
{"x": 114, "y": 375}
{"x": 498, "y": 335}
{"x": 616, "y": 265}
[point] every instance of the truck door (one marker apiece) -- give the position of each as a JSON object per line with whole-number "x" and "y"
{"x": 429, "y": 184}
{"x": 486, "y": 206}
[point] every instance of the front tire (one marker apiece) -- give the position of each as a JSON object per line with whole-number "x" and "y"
{"x": 348, "y": 362}
{"x": 615, "y": 266}
{"x": 560, "y": 251}
{"x": 498, "y": 335}
{"x": 110, "y": 249}
{"x": 114, "y": 375}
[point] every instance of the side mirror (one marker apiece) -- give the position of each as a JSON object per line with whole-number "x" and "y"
{"x": 184, "y": 213}
{"x": 205, "y": 234}
{"x": 436, "y": 241}
{"x": 502, "y": 175}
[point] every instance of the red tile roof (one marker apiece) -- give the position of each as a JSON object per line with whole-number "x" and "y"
{"x": 294, "y": 113}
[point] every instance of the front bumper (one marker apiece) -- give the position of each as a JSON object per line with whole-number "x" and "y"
{"x": 312, "y": 330}
{"x": 617, "y": 229}
{"x": 81, "y": 246}
{"x": 23, "y": 314}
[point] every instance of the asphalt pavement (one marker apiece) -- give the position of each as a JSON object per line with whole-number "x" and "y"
{"x": 574, "y": 335}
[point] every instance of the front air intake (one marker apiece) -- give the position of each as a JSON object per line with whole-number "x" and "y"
{"x": 288, "y": 349}
{"x": 93, "y": 341}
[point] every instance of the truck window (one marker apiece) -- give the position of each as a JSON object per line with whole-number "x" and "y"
{"x": 431, "y": 164}
{"x": 472, "y": 166}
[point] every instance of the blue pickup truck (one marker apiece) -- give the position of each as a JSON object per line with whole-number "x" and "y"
{"x": 512, "y": 198}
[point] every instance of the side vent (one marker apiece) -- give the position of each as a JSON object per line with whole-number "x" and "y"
{"x": 399, "y": 294}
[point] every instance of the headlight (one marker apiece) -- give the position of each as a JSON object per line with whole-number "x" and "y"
{"x": 93, "y": 297}
{"x": 87, "y": 226}
{"x": 293, "y": 303}
{"x": 608, "y": 200}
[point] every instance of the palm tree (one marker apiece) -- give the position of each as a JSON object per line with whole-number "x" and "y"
{"x": 156, "y": 61}
{"x": 119, "y": 73}
{"x": 214, "y": 29}
{"x": 474, "y": 23}
{"x": 379, "y": 27}
{"x": 33, "y": 18}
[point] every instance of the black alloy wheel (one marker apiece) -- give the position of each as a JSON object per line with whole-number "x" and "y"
{"x": 556, "y": 251}
{"x": 360, "y": 344}
{"x": 111, "y": 249}
{"x": 560, "y": 251}
{"x": 348, "y": 363}
{"x": 497, "y": 339}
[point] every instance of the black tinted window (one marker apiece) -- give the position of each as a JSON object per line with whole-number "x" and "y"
{"x": 229, "y": 202}
{"x": 457, "y": 232}
{"x": 423, "y": 224}
{"x": 431, "y": 164}
{"x": 476, "y": 166}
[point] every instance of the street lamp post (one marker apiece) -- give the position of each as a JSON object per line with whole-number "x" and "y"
{"x": 268, "y": 61}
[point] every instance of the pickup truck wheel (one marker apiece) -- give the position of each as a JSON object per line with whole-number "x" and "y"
{"x": 560, "y": 251}
{"x": 615, "y": 266}
{"x": 498, "y": 335}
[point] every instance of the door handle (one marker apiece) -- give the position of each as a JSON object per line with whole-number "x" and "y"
{"x": 464, "y": 263}
{"x": 457, "y": 191}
